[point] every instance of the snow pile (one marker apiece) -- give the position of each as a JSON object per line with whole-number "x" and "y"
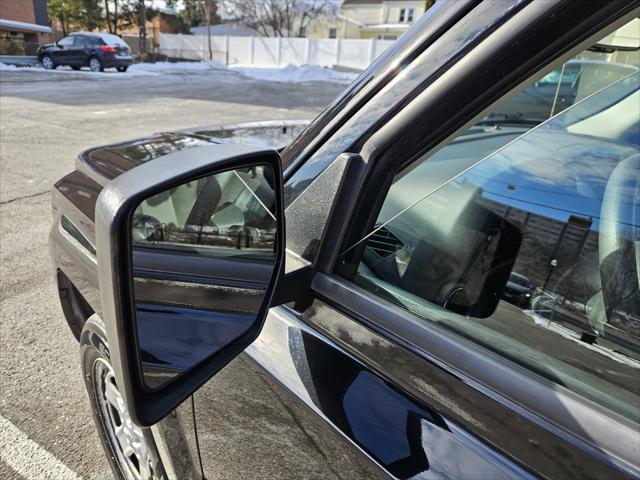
{"x": 292, "y": 73}
{"x": 170, "y": 67}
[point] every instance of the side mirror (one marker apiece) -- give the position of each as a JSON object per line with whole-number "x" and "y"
{"x": 190, "y": 248}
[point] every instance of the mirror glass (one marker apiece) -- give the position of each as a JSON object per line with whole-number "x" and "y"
{"x": 203, "y": 255}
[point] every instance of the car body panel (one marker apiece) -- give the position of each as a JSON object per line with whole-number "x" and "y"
{"x": 342, "y": 419}
{"x": 104, "y": 163}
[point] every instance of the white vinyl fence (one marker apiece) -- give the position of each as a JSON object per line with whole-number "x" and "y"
{"x": 270, "y": 51}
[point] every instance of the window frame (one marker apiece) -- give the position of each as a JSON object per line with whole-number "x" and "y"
{"x": 72, "y": 41}
{"x": 374, "y": 79}
{"x": 81, "y": 41}
{"x": 382, "y": 153}
{"x": 410, "y": 14}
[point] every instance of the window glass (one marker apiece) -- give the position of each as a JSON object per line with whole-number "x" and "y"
{"x": 333, "y": 32}
{"x": 231, "y": 213}
{"x": 410, "y": 15}
{"x": 402, "y": 13}
{"x": 93, "y": 41}
{"x": 66, "y": 42}
{"x": 523, "y": 234}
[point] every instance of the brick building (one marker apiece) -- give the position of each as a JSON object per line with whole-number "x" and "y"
{"x": 24, "y": 24}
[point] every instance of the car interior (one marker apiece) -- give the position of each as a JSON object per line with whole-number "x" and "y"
{"x": 215, "y": 206}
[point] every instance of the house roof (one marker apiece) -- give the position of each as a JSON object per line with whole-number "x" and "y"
{"x": 387, "y": 26}
{"x": 23, "y": 26}
{"x": 356, "y": 22}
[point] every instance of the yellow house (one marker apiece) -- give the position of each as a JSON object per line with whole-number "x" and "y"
{"x": 383, "y": 19}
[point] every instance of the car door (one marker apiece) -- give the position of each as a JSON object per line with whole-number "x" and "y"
{"x": 62, "y": 52}
{"x": 370, "y": 373}
{"x": 78, "y": 53}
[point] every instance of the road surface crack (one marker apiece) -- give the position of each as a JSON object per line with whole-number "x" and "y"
{"x": 24, "y": 197}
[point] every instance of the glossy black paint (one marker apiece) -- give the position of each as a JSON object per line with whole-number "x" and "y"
{"x": 105, "y": 163}
{"x": 340, "y": 418}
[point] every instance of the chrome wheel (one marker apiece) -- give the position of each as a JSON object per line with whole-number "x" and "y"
{"x": 95, "y": 65}
{"x": 47, "y": 62}
{"x": 134, "y": 454}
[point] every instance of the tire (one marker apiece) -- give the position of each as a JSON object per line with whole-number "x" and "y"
{"x": 122, "y": 68}
{"x": 48, "y": 63}
{"x": 95, "y": 64}
{"x": 98, "y": 379}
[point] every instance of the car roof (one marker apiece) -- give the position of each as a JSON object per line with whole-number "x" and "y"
{"x": 109, "y": 38}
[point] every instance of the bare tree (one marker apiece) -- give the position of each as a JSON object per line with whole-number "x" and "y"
{"x": 112, "y": 19}
{"x": 142, "y": 25}
{"x": 281, "y": 18}
{"x": 206, "y": 6}
{"x": 108, "y": 16}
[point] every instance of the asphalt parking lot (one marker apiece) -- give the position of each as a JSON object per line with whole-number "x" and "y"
{"x": 46, "y": 429}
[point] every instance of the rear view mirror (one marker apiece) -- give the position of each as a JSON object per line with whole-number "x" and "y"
{"x": 190, "y": 247}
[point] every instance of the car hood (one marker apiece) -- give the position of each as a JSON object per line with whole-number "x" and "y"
{"x": 104, "y": 163}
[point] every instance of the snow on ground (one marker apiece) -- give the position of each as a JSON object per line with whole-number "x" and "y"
{"x": 177, "y": 67}
{"x": 289, "y": 73}
{"x": 293, "y": 73}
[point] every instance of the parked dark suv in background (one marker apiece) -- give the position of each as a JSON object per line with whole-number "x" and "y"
{"x": 85, "y": 49}
{"x": 375, "y": 337}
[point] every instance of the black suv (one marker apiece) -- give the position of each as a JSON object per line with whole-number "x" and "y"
{"x": 85, "y": 49}
{"x": 281, "y": 300}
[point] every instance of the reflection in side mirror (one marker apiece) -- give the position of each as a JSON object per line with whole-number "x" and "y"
{"x": 203, "y": 254}
{"x": 190, "y": 248}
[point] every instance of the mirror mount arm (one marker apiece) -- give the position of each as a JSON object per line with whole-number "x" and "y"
{"x": 294, "y": 287}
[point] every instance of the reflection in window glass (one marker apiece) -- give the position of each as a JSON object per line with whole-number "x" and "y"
{"x": 528, "y": 242}
{"x": 66, "y": 42}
